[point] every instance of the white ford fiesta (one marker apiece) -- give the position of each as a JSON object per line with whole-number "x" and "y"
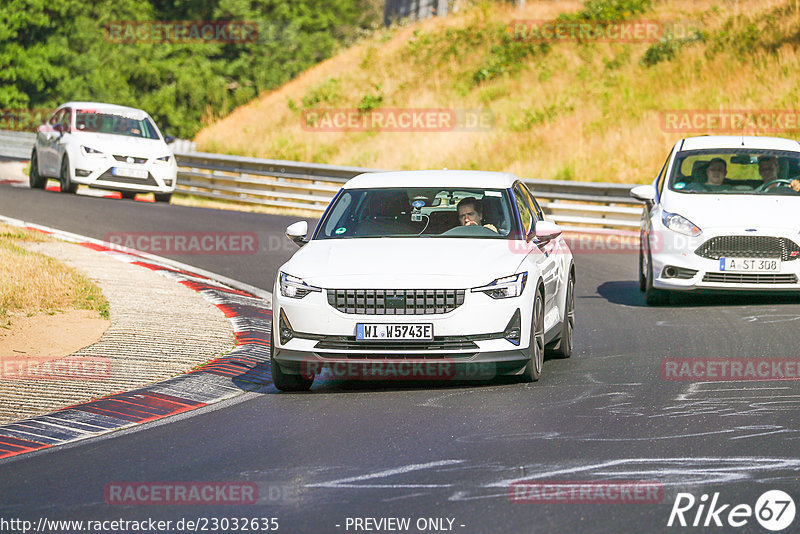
{"x": 103, "y": 146}
{"x": 423, "y": 275}
{"x": 722, "y": 215}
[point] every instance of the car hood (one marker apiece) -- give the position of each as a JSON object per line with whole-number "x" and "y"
{"x": 123, "y": 145}
{"x": 419, "y": 263}
{"x": 745, "y": 211}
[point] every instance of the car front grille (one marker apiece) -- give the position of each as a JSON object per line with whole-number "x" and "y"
{"x": 395, "y": 301}
{"x": 749, "y": 246}
{"x": 750, "y": 278}
{"x": 134, "y": 158}
{"x": 108, "y": 177}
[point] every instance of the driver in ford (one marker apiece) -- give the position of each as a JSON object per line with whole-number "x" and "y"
{"x": 768, "y": 169}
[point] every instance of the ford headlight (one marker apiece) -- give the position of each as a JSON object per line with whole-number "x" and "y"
{"x": 504, "y": 288}
{"x": 680, "y": 224}
{"x": 294, "y": 287}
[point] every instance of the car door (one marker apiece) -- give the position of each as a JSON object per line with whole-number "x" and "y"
{"x": 649, "y": 211}
{"x": 539, "y": 255}
{"x": 46, "y": 136}
{"x": 61, "y": 141}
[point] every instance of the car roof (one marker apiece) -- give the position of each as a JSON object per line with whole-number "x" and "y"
{"x": 433, "y": 178}
{"x": 107, "y": 108}
{"x": 739, "y": 141}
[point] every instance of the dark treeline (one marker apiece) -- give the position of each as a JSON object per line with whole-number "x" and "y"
{"x": 51, "y": 52}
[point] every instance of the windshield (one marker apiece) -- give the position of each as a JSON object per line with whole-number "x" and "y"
{"x": 734, "y": 171}
{"x": 430, "y": 212}
{"x": 108, "y": 123}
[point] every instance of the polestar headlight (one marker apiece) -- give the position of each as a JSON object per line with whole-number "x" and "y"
{"x": 294, "y": 287}
{"x": 504, "y": 288}
{"x": 164, "y": 159}
{"x": 680, "y": 224}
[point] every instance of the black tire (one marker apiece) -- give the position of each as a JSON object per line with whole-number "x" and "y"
{"x": 653, "y": 296}
{"x": 642, "y": 276}
{"x": 64, "y": 178}
{"x": 564, "y": 348}
{"x": 36, "y": 180}
{"x": 286, "y": 382}
{"x": 163, "y": 197}
{"x": 533, "y": 369}
{"x": 128, "y": 194}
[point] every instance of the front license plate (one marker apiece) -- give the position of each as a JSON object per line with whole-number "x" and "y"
{"x": 394, "y": 332}
{"x": 749, "y": 265}
{"x": 130, "y": 173}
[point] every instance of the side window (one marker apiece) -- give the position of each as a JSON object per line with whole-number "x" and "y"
{"x": 524, "y": 211}
{"x": 56, "y": 117}
{"x": 662, "y": 176}
{"x": 66, "y": 120}
{"x": 535, "y": 208}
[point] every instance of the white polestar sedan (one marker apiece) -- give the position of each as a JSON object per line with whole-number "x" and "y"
{"x": 423, "y": 275}
{"x": 723, "y": 214}
{"x": 103, "y": 146}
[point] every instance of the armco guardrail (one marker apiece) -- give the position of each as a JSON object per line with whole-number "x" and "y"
{"x": 16, "y": 144}
{"x": 310, "y": 186}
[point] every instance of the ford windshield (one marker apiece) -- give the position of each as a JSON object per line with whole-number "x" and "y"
{"x": 728, "y": 171}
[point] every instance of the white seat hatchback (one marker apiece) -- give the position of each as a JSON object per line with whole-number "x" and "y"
{"x": 103, "y": 146}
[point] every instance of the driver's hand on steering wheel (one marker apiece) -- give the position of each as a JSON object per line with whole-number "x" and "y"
{"x": 795, "y": 184}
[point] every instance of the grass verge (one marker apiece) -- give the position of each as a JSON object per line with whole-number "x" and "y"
{"x": 32, "y": 283}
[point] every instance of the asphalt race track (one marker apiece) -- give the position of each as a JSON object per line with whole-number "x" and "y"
{"x": 359, "y": 450}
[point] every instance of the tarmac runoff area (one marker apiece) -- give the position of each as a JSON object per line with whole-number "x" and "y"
{"x": 180, "y": 339}
{"x": 159, "y": 328}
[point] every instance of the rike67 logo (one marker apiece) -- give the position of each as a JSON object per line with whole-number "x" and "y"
{"x": 774, "y": 510}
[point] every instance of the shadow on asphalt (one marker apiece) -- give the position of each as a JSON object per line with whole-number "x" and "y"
{"x": 386, "y": 386}
{"x": 627, "y": 293}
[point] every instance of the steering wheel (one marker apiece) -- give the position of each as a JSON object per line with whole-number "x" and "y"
{"x": 780, "y": 182}
{"x": 472, "y": 231}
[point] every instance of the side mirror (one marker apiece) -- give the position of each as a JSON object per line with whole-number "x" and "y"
{"x": 644, "y": 193}
{"x": 297, "y": 232}
{"x": 546, "y": 231}
{"x": 169, "y": 139}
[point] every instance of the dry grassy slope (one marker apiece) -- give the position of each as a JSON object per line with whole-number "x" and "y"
{"x": 581, "y": 112}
